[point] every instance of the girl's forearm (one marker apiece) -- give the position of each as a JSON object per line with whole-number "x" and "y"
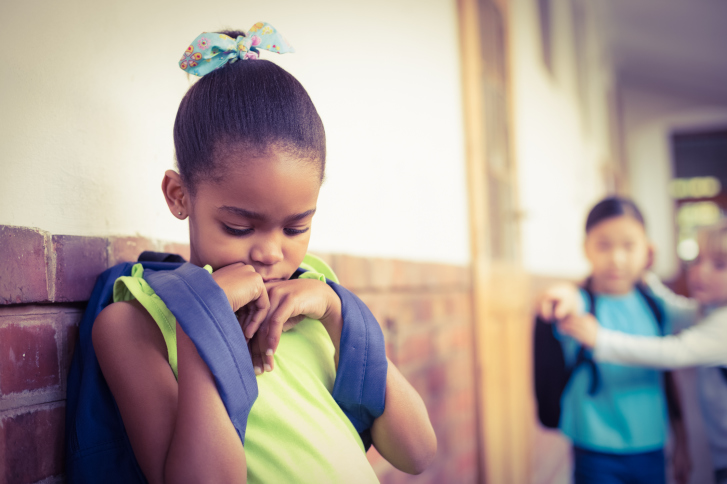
{"x": 403, "y": 434}
{"x": 205, "y": 446}
{"x": 700, "y": 345}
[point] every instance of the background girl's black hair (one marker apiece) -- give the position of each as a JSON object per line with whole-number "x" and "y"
{"x": 248, "y": 107}
{"x": 613, "y": 207}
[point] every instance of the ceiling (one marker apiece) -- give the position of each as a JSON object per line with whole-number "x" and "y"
{"x": 674, "y": 46}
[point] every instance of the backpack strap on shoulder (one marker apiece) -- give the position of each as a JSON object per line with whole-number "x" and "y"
{"x": 584, "y": 356}
{"x": 653, "y": 305}
{"x": 360, "y": 384}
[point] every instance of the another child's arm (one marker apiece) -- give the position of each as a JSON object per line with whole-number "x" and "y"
{"x": 403, "y": 434}
{"x": 179, "y": 430}
{"x": 682, "y": 311}
{"x": 700, "y": 345}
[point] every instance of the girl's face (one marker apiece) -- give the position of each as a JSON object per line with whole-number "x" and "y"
{"x": 707, "y": 278}
{"x": 619, "y": 252}
{"x": 259, "y": 214}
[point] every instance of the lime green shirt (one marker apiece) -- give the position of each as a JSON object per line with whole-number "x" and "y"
{"x": 296, "y": 432}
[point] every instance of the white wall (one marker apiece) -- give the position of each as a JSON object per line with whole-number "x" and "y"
{"x": 649, "y": 118}
{"x": 90, "y": 90}
{"x": 561, "y": 147}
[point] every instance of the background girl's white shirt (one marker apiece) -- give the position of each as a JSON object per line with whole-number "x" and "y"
{"x": 704, "y": 345}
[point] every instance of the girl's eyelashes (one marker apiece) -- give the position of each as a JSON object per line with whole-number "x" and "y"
{"x": 289, "y": 231}
{"x": 237, "y": 232}
{"x": 242, "y": 232}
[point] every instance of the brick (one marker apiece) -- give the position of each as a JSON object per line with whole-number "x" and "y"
{"x": 459, "y": 372}
{"x": 28, "y": 358}
{"x": 382, "y": 274}
{"x": 423, "y": 309}
{"x": 127, "y": 249}
{"x": 453, "y": 339}
{"x": 353, "y": 272}
{"x": 460, "y": 401}
{"x": 415, "y": 348}
{"x": 177, "y": 248}
{"x": 78, "y": 262}
{"x": 23, "y": 274}
{"x": 70, "y": 338}
{"x": 33, "y": 445}
{"x": 436, "y": 379}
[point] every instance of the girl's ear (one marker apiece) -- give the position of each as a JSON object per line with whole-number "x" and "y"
{"x": 651, "y": 252}
{"x": 175, "y": 194}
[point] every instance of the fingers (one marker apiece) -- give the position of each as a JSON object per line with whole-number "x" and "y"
{"x": 546, "y": 309}
{"x": 562, "y": 309}
{"x": 259, "y": 309}
{"x": 282, "y": 310}
{"x": 255, "y": 354}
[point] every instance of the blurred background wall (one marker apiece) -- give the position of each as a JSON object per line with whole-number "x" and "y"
{"x": 88, "y": 114}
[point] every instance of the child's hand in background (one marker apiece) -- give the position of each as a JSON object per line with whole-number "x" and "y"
{"x": 583, "y": 328}
{"x": 291, "y": 302}
{"x": 559, "y": 301}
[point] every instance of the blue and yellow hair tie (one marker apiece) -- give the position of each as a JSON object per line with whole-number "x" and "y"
{"x": 210, "y": 50}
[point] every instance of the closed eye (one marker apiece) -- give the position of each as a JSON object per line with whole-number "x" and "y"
{"x": 237, "y": 232}
{"x": 291, "y": 232}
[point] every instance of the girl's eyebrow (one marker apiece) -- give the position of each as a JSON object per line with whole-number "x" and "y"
{"x": 241, "y": 212}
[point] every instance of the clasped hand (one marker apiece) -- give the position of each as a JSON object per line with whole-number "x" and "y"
{"x": 266, "y": 310}
{"x": 560, "y": 303}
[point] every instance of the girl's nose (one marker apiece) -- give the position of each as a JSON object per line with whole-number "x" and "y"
{"x": 618, "y": 257}
{"x": 267, "y": 251}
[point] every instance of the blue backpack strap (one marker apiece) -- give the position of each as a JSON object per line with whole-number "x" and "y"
{"x": 204, "y": 313}
{"x": 360, "y": 385}
{"x": 97, "y": 447}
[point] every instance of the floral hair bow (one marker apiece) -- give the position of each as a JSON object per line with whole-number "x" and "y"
{"x": 210, "y": 51}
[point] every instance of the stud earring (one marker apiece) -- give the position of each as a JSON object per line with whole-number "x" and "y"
{"x": 179, "y": 213}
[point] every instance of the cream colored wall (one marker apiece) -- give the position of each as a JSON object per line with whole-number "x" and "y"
{"x": 561, "y": 146}
{"x": 90, "y": 90}
{"x": 650, "y": 117}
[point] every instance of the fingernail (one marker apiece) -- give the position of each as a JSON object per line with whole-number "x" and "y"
{"x": 269, "y": 352}
{"x": 268, "y": 367}
{"x": 258, "y": 371}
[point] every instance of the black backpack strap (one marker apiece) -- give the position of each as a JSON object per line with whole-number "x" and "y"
{"x": 584, "y": 356}
{"x": 653, "y": 305}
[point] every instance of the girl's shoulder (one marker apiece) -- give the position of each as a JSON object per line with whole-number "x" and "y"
{"x": 120, "y": 327}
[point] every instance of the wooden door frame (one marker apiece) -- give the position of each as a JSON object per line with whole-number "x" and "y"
{"x": 504, "y": 422}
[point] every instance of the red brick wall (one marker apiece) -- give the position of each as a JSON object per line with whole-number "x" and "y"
{"x": 424, "y": 310}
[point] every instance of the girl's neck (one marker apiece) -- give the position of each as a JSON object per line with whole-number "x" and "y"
{"x": 600, "y": 287}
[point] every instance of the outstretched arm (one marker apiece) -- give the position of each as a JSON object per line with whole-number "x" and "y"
{"x": 700, "y": 345}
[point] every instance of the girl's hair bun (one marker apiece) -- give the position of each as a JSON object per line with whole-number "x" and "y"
{"x": 245, "y": 107}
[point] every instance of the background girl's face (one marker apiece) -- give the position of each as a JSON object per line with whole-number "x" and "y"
{"x": 260, "y": 214}
{"x": 707, "y": 278}
{"x": 619, "y": 252}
